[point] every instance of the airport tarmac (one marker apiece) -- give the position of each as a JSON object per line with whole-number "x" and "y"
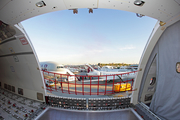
{"x": 86, "y": 88}
{"x": 60, "y": 94}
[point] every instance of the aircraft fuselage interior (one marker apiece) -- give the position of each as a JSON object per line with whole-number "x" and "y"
{"x": 155, "y": 92}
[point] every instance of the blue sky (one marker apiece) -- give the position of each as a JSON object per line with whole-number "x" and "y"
{"x": 105, "y": 36}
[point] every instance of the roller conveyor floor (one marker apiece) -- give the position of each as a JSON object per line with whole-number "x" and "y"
{"x": 61, "y": 114}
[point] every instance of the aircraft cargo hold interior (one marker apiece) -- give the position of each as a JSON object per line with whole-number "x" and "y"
{"x": 25, "y": 93}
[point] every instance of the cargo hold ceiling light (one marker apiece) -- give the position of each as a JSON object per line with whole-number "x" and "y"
{"x": 139, "y": 15}
{"x": 139, "y": 2}
{"x": 40, "y": 4}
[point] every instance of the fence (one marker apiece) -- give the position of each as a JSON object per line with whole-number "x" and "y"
{"x": 89, "y": 85}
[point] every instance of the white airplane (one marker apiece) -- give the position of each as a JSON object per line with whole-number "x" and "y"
{"x": 111, "y": 69}
{"x": 106, "y": 68}
{"x": 55, "y": 68}
{"x": 127, "y": 69}
{"x": 112, "y": 75}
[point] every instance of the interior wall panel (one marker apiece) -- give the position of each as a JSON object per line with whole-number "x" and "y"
{"x": 19, "y": 66}
{"x": 167, "y": 94}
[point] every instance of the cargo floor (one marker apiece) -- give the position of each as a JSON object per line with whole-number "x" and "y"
{"x": 61, "y": 114}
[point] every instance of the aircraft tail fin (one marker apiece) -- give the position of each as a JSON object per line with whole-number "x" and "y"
{"x": 90, "y": 69}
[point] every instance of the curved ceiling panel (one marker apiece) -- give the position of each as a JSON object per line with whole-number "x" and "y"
{"x": 17, "y": 10}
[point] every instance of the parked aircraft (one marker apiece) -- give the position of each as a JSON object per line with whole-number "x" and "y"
{"x": 107, "y": 69}
{"x": 125, "y": 75}
{"x": 55, "y": 68}
{"x": 111, "y": 69}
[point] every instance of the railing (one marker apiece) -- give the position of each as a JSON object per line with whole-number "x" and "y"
{"x": 88, "y": 85}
